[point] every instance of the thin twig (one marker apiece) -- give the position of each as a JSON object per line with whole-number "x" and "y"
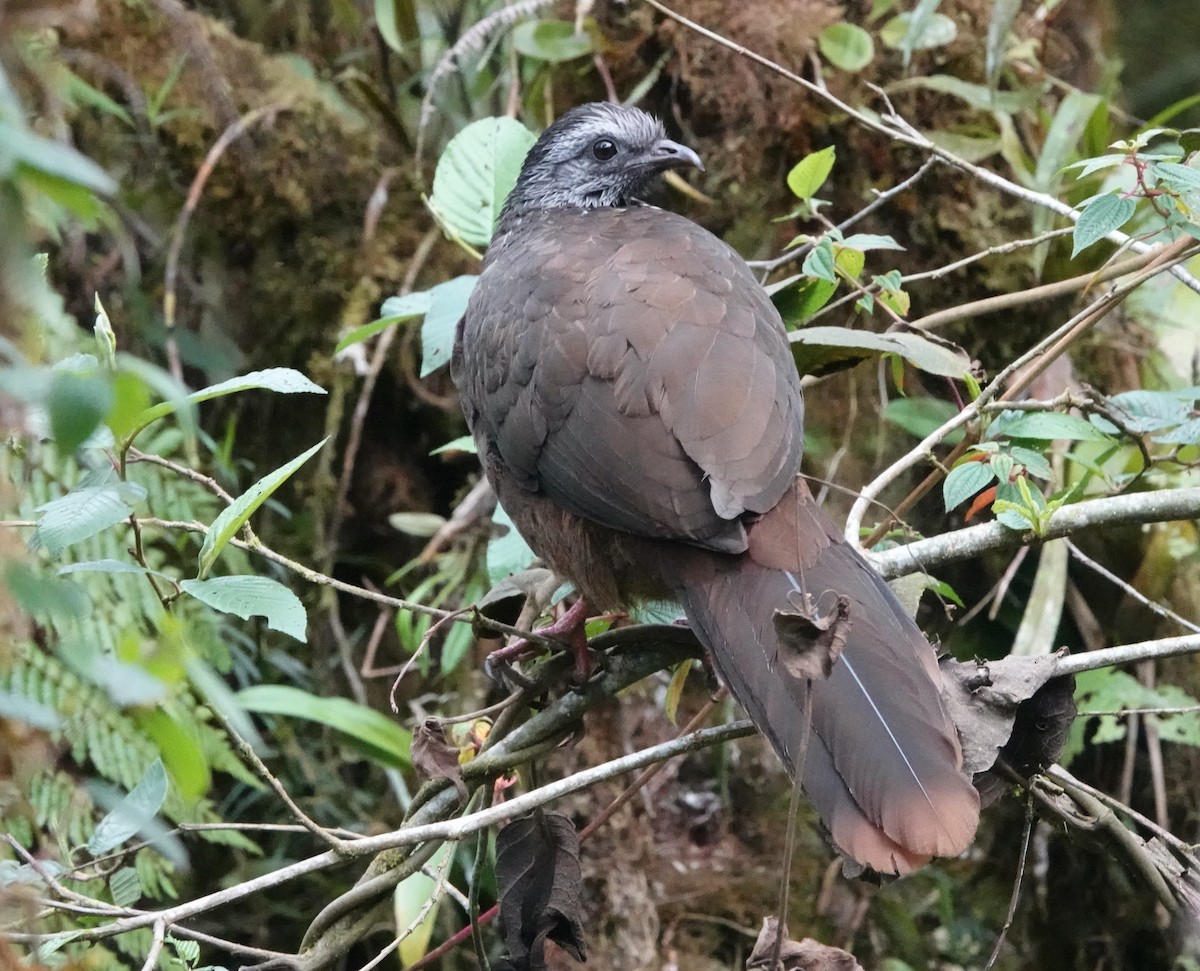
{"x": 1131, "y": 590}
{"x": 209, "y": 483}
{"x": 1005, "y": 386}
{"x": 171, "y": 273}
{"x": 451, "y": 829}
{"x": 1046, "y": 291}
{"x": 426, "y": 640}
{"x": 246, "y": 751}
{"x": 881, "y": 198}
{"x": 358, "y": 419}
{"x": 1061, "y": 775}
{"x": 1016, "y": 890}
{"x": 892, "y": 126}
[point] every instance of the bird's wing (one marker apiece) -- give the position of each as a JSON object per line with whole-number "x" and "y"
{"x": 635, "y": 372}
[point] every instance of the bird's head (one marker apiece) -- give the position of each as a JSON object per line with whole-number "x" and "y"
{"x": 596, "y": 155}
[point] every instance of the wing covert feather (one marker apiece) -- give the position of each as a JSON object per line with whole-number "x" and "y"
{"x": 635, "y": 372}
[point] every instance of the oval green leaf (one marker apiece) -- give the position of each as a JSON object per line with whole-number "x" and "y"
{"x": 234, "y": 516}
{"x": 1103, "y": 215}
{"x": 846, "y": 46}
{"x": 475, "y": 175}
{"x": 810, "y": 173}
{"x": 249, "y": 596}
{"x": 550, "y": 40}
{"x": 448, "y": 302}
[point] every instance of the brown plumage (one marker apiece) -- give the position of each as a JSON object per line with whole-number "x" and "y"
{"x": 637, "y": 409}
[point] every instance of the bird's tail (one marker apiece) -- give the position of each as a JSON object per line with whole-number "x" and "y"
{"x": 883, "y": 763}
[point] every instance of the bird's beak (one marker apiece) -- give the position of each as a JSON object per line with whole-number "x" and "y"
{"x": 666, "y": 154}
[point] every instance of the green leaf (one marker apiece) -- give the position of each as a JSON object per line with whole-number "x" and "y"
{"x": 53, "y": 158}
{"x": 846, "y": 46}
{"x": 550, "y": 40}
{"x": 675, "y": 690}
{"x": 810, "y": 173}
{"x": 394, "y": 311}
{"x": 77, "y": 403}
{"x": 869, "y": 241}
{"x": 1103, "y": 215}
{"x": 964, "y": 481}
{"x": 819, "y": 349}
{"x": 464, "y": 443}
{"x": 420, "y": 524}
{"x": 1035, "y": 463}
{"x": 410, "y": 900}
{"x": 367, "y": 331}
{"x": 34, "y": 713}
{"x": 125, "y": 886}
{"x": 1067, "y": 128}
{"x": 821, "y": 262}
{"x": 375, "y": 734}
{"x": 75, "y": 198}
{"x": 921, "y": 416}
{"x": 1180, "y": 177}
{"x": 1003, "y": 14}
{"x": 279, "y": 379}
{"x": 1150, "y": 411}
{"x": 1187, "y": 433}
{"x": 235, "y": 515}
{"x": 796, "y": 303}
{"x": 397, "y": 23}
{"x": 507, "y": 553}
{"x": 919, "y": 23}
{"x": 475, "y": 175}
{"x": 897, "y": 33}
{"x": 178, "y": 740}
{"x": 978, "y": 96}
{"x": 84, "y": 512}
{"x": 249, "y": 596}
{"x": 967, "y": 145}
{"x": 1089, "y": 165}
{"x": 1050, "y": 425}
{"x": 132, "y": 814}
{"x": 448, "y": 302}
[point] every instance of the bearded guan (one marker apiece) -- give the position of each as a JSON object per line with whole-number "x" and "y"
{"x": 637, "y": 409}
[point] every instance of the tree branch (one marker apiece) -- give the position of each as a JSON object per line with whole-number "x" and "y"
{"x": 1164, "y": 505}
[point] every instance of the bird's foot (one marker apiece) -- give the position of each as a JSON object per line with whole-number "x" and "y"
{"x": 569, "y": 628}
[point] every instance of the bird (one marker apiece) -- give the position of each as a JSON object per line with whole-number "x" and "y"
{"x": 637, "y": 410}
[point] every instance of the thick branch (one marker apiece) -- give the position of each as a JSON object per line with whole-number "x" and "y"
{"x": 1128, "y": 653}
{"x": 1165, "y": 505}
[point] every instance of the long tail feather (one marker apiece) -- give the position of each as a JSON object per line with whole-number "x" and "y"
{"x": 883, "y": 765}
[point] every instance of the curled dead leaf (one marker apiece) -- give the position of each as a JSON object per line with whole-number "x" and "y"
{"x": 435, "y": 756}
{"x": 539, "y": 878}
{"x": 812, "y": 643}
{"x": 1014, "y": 707}
{"x": 805, "y": 955}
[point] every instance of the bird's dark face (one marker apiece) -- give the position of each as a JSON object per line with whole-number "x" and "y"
{"x": 597, "y": 155}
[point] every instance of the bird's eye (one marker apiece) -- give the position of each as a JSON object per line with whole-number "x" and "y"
{"x": 604, "y": 149}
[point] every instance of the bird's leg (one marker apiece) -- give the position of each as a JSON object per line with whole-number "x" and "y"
{"x": 569, "y": 628}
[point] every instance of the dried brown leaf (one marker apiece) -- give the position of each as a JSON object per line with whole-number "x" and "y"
{"x": 1013, "y": 707}
{"x": 805, "y": 955}
{"x": 811, "y": 643}
{"x": 539, "y": 876}
{"x": 506, "y": 599}
{"x": 435, "y": 756}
